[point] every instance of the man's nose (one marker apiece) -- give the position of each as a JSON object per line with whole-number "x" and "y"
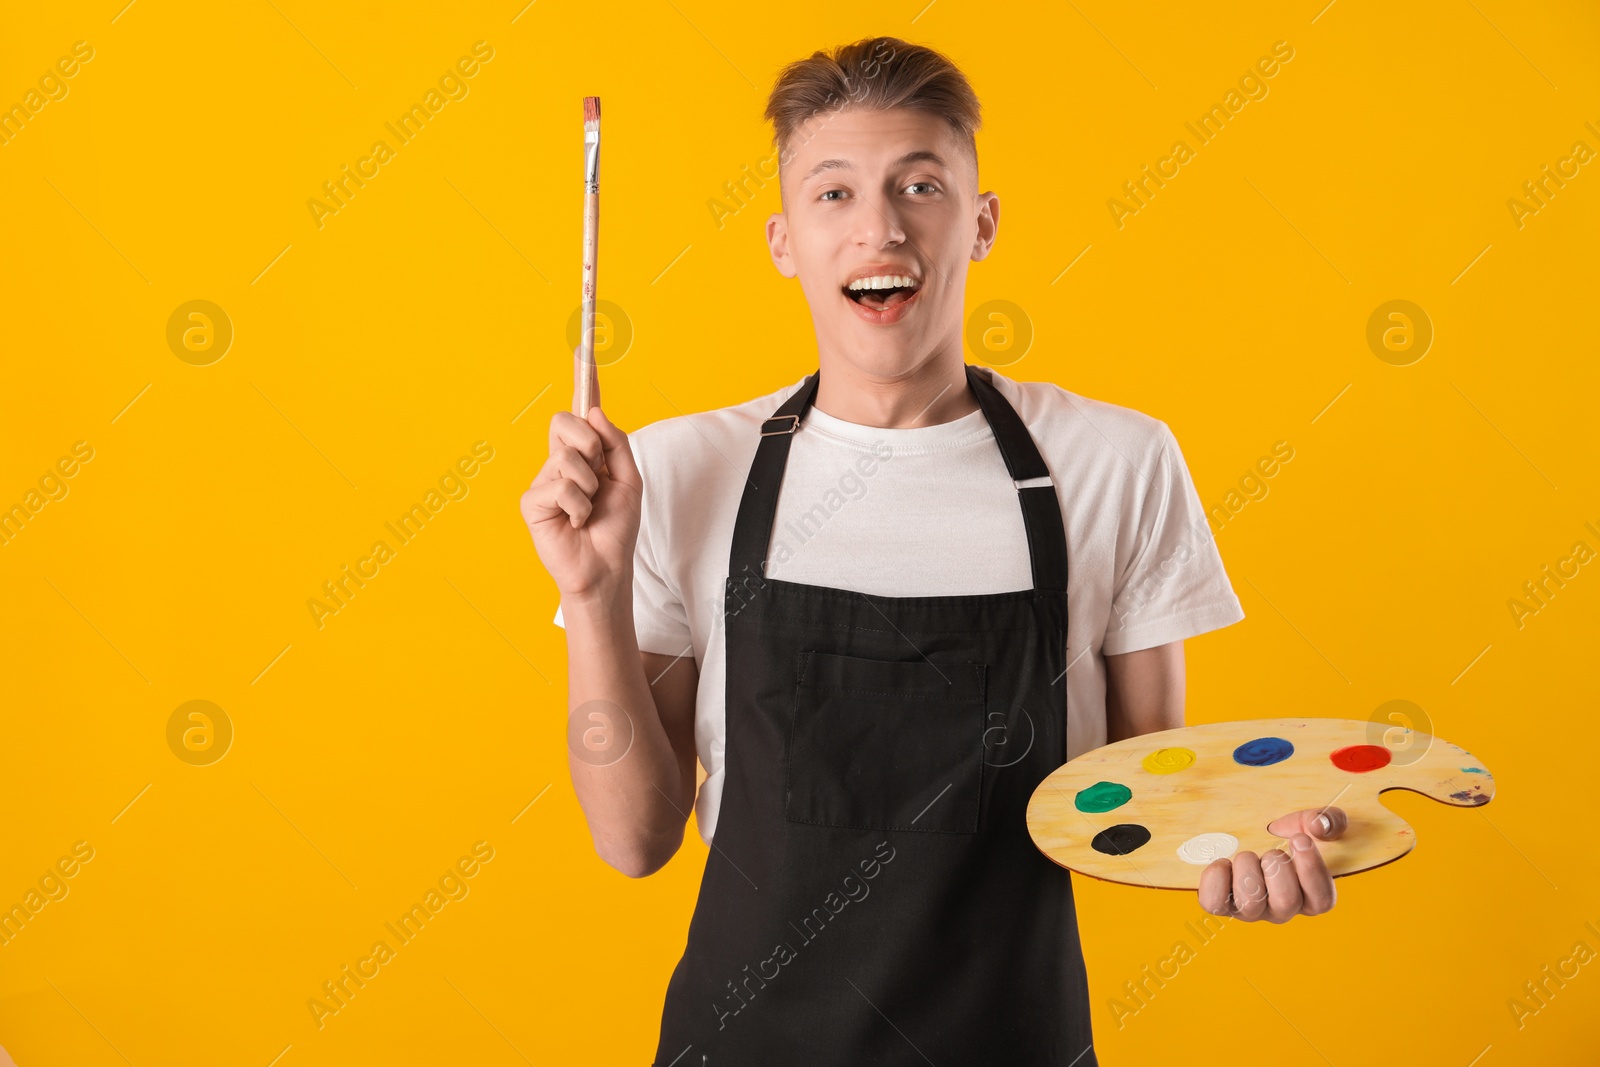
{"x": 878, "y": 223}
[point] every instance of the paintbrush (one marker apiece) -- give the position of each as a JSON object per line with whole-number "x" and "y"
{"x": 586, "y": 378}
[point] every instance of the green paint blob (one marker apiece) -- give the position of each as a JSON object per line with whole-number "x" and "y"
{"x": 1103, "y": 796}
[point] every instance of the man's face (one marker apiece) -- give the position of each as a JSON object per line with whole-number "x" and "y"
{"x": 889, "y": 196}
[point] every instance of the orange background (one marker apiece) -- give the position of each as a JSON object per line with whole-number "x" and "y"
{"x": 371, "y": 353}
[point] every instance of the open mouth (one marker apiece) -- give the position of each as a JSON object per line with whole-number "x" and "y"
{"x": 881, "y": 294}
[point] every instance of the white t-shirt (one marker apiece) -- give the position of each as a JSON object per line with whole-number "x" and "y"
{"x": 927, "y": 511}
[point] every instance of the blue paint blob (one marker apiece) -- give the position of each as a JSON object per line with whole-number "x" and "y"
{"x": 1475, "y": 770}
{"x": 1263, "y": 752}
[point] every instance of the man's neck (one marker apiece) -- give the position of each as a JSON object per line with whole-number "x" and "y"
{"x": 935, "y": 393}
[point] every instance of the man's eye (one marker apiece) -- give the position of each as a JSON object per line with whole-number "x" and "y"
{"x": 930, "y": 185}
{"x": 830, "y": 192}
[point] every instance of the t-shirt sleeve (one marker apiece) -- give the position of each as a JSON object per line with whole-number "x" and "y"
{"x": 1170, "y": 581}
{"x": 660, "y": 619}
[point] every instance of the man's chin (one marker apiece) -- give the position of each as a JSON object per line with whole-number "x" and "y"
{"x": 883, "y": 358}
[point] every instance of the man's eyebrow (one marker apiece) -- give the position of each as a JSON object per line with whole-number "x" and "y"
{"x": 919, "y": 156}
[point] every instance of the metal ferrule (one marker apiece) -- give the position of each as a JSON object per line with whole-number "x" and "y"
{"x": 591, "y": 161}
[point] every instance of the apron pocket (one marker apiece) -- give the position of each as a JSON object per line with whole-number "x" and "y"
{"x": 886, "y": 744}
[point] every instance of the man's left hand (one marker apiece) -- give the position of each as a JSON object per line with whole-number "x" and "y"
{"x": 1278, "y": 885}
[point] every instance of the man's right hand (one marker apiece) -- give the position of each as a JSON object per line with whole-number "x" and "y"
{"x": 583, "y": 507}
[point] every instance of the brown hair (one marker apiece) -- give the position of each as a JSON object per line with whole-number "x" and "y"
{"x": 873, "y": 74}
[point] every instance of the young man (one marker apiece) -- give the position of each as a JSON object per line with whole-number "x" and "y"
{"x": 880, "y": 605}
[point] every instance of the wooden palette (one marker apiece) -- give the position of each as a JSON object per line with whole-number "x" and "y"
{"x": 1157, "y": 809}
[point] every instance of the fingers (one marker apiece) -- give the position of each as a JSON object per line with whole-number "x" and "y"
{"x": 618, "y": 455}
{"x": 1316, "y": 883}
{"x": 1284, "y": 897}
{"x": 1323, "y": 824}
{"x": 1277, "y": 885}
{"x": 556, "y": 497}
{"x": 582, "y": 452}
{"x": 1249, "y": 887}
{"x": 1311, "y": 873}
{"x": 567, "y": 430}
{"x": 567, "y": 462}
{"x": 566, "y": 485}
{"x": 595, "y": 437}
{"x": 1335, "y": 820}
{"x": 1216, "y": 888}
{"x": 1239, "y": 888}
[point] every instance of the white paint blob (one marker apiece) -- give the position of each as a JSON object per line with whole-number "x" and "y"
{"x": 1205, "y": 848}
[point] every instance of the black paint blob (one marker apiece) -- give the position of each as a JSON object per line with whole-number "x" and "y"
{"x": 1121, "y": 839}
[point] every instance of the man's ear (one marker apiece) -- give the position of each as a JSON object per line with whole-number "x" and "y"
{"x": 988, "y": 224}
{"x": 778, "y": 244}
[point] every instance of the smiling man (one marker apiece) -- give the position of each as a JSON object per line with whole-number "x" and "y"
{"x": 880, "y": 604}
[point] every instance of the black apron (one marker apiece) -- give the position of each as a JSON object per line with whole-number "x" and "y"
{"x": 872, "y": 895}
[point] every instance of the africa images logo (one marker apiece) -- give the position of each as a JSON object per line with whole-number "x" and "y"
{"x": 810, "y": 928}
{"x": 452, "y": 86}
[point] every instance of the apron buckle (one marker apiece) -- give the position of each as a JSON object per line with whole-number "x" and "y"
{"x": 793, "y": 426}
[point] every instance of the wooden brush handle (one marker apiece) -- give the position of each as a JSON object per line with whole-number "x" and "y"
{"x": 578, "y": 378}
{"x": 586, "y": 393}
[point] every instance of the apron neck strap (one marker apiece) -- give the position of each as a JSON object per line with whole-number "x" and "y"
{"x": 1041, "y": 510}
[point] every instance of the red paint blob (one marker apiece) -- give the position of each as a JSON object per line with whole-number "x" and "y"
{"x": 1360, "y": 758}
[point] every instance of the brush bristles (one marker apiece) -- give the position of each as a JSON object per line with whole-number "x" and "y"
{"x": 591, "y": 110}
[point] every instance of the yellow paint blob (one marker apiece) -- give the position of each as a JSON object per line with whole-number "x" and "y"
{"x": 1168, "y": 760}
